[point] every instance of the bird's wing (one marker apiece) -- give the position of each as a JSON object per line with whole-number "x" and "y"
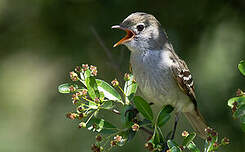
{"x": 183, "y": 78}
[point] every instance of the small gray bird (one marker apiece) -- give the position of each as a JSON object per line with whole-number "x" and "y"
{"x": 162, "y": 77}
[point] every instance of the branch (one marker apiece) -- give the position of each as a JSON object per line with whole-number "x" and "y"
{"x": 107, "y": 51}
{"x": 114, "y": 64}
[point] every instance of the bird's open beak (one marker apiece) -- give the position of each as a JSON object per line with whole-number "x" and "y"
{"x": 130, "y": 35}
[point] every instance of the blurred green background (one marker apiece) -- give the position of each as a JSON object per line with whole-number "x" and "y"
{"x": 42, "y": 40}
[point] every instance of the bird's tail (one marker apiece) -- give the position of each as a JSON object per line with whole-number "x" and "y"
{"x": 197, "y": 121}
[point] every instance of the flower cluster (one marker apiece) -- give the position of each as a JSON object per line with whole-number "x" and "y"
{"x": 185, "y": 134}
{"x": 80, "y": 96}
{"x": 149, "y": 146}
{"x": 85, "y": 67}
{"x": 239, "y": 93}
{"x": 117, "y": 140}
{"x": 96, "y": 148}
{"x": 95, "y": 95}
{"x": 114, "y": 83}
{"x": 93, "y": 70}
{"x": 213, "y": 138}
{"x": 74, "y": 76}
{"x": 135, "y": 127}
{"x": 126, "y": 77}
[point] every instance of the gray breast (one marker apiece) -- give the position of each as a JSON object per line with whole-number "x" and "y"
{"x": 152, "y": 72}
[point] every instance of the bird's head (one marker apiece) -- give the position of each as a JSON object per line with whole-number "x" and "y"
{"x": 143, "y": 32}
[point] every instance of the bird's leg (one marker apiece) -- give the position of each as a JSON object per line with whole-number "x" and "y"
{"x": 173, "y": 132}
{"x": 175, "y": 125}
{"x": 165, "y": 144}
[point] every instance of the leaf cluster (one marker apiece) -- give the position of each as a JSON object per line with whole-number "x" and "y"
{"x": 237, "y": 104}
{"x": 91, "y": 95}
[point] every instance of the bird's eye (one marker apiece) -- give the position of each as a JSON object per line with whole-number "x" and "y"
{"x": 140, "y": 27}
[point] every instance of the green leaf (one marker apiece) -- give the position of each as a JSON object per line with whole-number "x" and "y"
{"x": 239, "y": 112}
{"x": 87, "y": 73}
{"x": 206, "y": 146}
{"x": 241, "y": 67}
{"x": 175, "y": 149}
{"x": 130, "y": 89}
{"x": 127, "y": 114}
{"x": 101, "y": 126}
{"x": 192, "y": 147}
{"x": 107, "y": 105}
{"x": 164, "y": 115}
{"x": 157, "y": 136}
{"x": 172, "y": 144}
{"x": 240, "y": 100}
{"x": 189, "y": 139}
{"x": 143, "y": 107}
{"x": 102, "y": 96}
{"x": 92, "y": 87}
{"x": 65, "y": 88}
{"x": 92, "y": 105}
{"x": 109, "y": 92}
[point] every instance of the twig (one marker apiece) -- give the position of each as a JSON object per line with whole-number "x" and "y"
{"x": 107, "y": 51}
{"x": 113, "y": 63}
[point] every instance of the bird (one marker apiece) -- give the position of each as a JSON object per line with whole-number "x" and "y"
{"x": 162, "y": 76}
